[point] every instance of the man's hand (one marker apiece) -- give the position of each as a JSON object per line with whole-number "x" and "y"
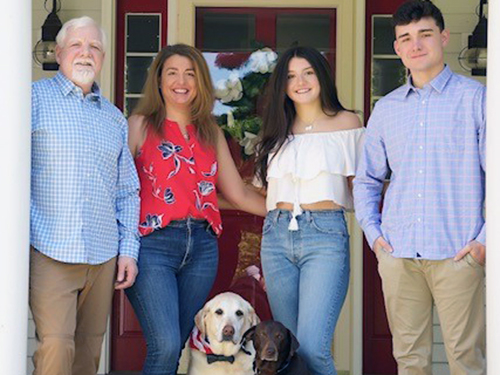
{"x": 476, "y": 249}
{"x": 381, "y": 245}
{"x": 126, "y": 273}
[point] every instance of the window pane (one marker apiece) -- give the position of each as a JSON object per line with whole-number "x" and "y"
{"x": 387, "y": 75}
{"x": 228, "y": 32}
{"x": 130, "y": 104}
{"x": 303, "y": 29}
{"x": 143, "y": 33}
{"x": 383, "y": 36}
{"x": 136, "y": 70}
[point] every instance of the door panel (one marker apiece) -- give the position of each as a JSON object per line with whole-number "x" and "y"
{"x": 140, "y": 33}
{"x": 377, "y": 339}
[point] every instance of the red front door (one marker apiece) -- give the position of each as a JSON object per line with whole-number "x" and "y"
{"x": 382, "y": 67}
{"x": 141, "y": 31}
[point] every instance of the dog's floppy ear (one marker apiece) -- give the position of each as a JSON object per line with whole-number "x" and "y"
{"x": 254, "y": 318}
{"x": 199, "y": 320}
{"x": 249, "y": 334}
{"x": 294, "y": 344}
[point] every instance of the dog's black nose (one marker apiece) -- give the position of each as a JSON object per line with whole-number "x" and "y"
{"x": 270, "y": 352}
{"x": 227, "y": 332}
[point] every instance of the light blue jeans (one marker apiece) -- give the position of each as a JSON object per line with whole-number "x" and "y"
{"x": 177, "y": 268}
{"x": 307, "y": 276}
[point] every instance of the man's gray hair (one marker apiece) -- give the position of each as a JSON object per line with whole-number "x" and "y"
{"x": 77, "y": 23}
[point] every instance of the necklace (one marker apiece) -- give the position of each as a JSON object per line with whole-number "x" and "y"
{"x": 309, "y": 125}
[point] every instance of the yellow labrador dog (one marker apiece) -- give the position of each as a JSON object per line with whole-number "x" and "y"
{"x": 216, "y": 341}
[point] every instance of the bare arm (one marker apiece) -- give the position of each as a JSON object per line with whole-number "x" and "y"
{"x": 136, "y": 134}
{"x": 232, "y": 187}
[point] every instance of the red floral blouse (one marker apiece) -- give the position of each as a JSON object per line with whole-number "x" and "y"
{"x": 178, "y": 178}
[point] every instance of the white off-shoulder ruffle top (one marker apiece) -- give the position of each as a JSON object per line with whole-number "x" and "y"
{"x": 313, "y": 167}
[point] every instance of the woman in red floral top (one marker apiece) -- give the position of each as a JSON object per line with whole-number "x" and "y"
{"x": 181, "y": 157}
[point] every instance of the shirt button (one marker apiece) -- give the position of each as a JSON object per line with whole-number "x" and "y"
{"x": 419, "y": 219}
{"x": 423, "y": 101}
{"x": 421, "y": 124}
{"x": 419, "y": 195}
{"x": 421, "y": 171}
{"x": 421, "y": 147}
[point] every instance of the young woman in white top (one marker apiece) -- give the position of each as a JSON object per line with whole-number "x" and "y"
{"x": 306, "y": 160}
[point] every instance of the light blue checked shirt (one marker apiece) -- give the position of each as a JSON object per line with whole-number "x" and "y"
{"x": 84, "y": 186}
{"x": 433, "y": 142}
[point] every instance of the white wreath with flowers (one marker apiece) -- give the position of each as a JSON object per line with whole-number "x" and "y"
{"x": 240, "y": 92}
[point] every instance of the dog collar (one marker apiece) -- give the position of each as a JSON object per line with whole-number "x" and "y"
{"x": 211, "y": 358}
{"x": 243, "y": 348}
{"x": 282, "y": 368}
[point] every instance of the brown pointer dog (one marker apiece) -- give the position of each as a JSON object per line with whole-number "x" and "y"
{"x": 275, "y": 350}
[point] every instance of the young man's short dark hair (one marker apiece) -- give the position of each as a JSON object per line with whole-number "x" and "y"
{"x": 415, "y": 10}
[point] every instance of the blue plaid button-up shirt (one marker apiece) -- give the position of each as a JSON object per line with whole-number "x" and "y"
{"x": 84, "y": 186}
{"x": 433, "y": 142}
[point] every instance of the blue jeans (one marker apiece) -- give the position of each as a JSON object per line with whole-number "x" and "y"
{"x": 177, "y": 268}
{"x": 307, "y": 276}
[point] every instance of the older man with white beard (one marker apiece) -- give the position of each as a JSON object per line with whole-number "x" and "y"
{"x": 84, "y": 206}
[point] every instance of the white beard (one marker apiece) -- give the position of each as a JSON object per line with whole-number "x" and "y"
{"x": 83, "y": 76}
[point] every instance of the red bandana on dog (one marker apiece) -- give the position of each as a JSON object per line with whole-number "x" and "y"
{"x": 197, "y": 342}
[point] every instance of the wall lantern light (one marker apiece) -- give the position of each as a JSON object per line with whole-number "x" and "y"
{"x": 473, "y": 57}
{"x": 44, "y": 52}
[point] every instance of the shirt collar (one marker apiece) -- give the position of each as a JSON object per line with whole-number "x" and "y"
{"x": 438, "y": 83}
{"x": 67, "y": 87}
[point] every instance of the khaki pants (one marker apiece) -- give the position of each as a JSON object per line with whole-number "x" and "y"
{"x": 457, "y": 288}
{"x": 70, "y": 305}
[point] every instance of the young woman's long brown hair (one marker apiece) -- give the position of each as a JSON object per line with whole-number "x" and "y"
{"x": 152, "y": 105}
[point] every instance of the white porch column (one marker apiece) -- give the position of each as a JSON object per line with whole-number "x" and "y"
{"x": 493, "y": 191}
{"x": 15, "y": 97}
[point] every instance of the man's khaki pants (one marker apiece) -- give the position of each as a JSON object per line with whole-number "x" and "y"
{"x": 70, "y": 305}
{"x": 458, "y": 290}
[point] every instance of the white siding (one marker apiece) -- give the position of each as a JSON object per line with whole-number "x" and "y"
{"x": 461, "y": 19}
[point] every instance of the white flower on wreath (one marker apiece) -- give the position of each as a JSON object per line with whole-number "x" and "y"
{"x": 263, "y": 61}
{"x": 230, "y": 119}
{"x": 248, "y": 143}
{"x": 229, "y": 90}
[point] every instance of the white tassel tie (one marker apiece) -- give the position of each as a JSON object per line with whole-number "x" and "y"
{"x": 297, "y": 210}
